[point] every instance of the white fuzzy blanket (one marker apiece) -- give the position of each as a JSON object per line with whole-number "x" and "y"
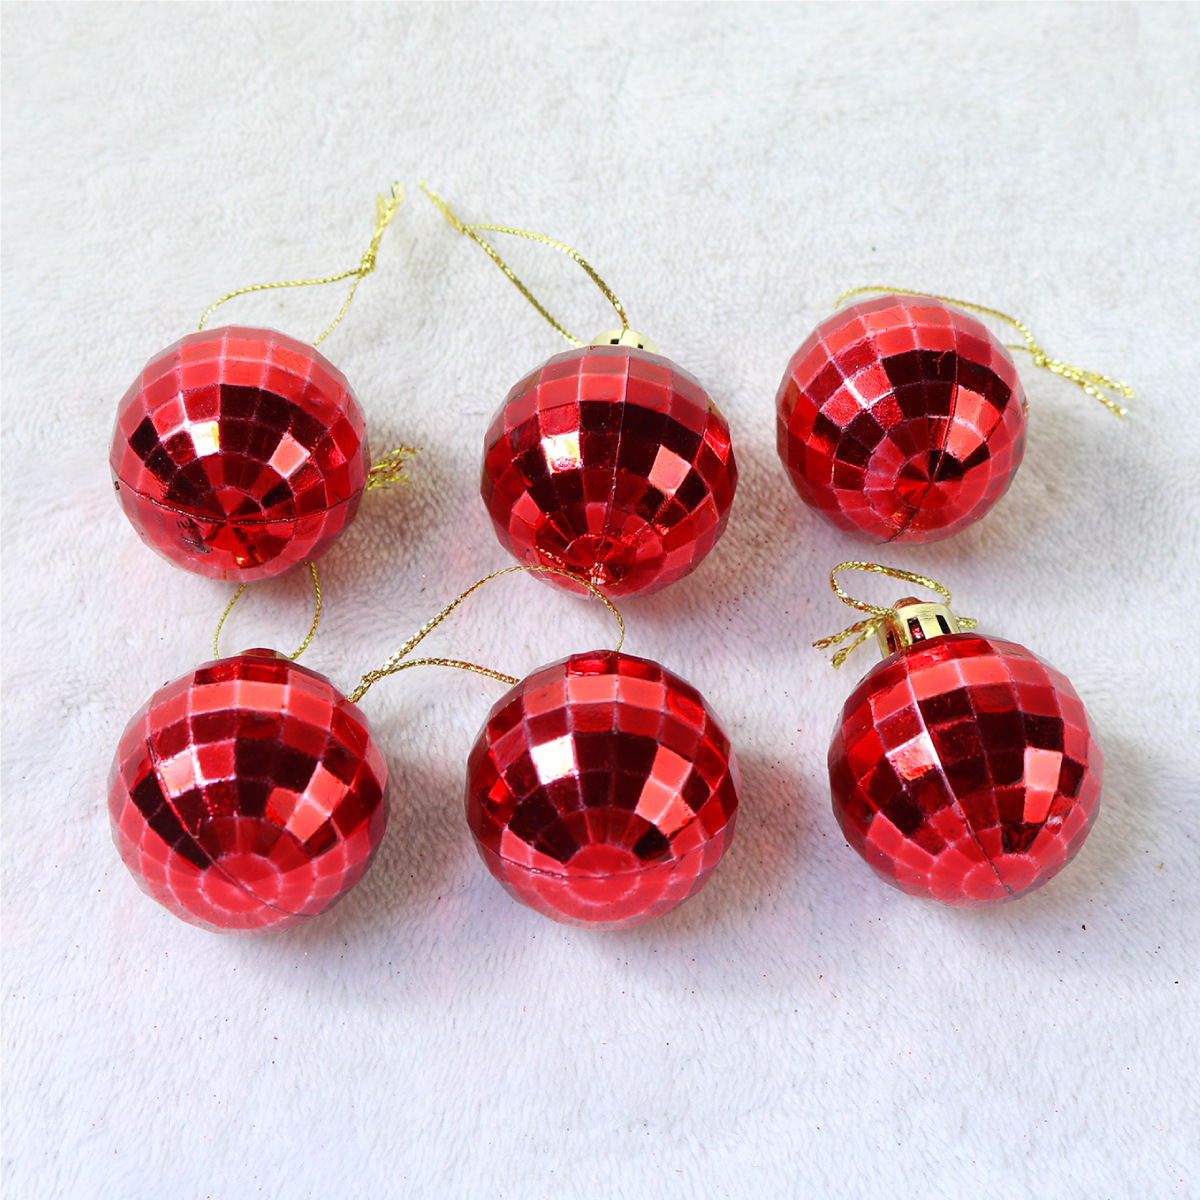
{"x": 799, "y": 1029}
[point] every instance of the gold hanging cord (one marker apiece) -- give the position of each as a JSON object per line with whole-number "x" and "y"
{"x": 396, "y": 662}
{"x": 864, "y": 629}
{"x": 389, "y": 468}
{"x": 385, "y": 210}
{"x": 1092, "y": 382}
{"x": 471, "y": 231}
{"x": 312, "y": 629}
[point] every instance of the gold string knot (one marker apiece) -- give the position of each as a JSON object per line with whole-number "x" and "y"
{"x": 388, "y": 469}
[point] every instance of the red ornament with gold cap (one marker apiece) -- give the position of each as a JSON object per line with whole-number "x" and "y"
{"x": 608, "y": 461}
{"x": 902, "y": 418}
{"x": 602, "y": 790}
{"x": 248, "y": 795}
{"x": 963, "y": 768}
{"x": 240, "y": 452}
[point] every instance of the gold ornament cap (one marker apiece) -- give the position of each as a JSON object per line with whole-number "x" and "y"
{"x": 911, "y": 621}
{"x": 625, "y": 337}
{"x": 907, "y": 622}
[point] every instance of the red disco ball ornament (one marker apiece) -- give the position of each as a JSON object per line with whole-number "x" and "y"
{"x": 247, "y": 795}
{"x": 239, "y": 453}
{"x": 963, "y": 768}
{"x": 610, "y": 462}
{"x": 901, "y": 419}
{"x": 602, "y": 790}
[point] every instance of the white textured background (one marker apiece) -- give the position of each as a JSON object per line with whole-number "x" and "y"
{"x": 799, "y": 1029}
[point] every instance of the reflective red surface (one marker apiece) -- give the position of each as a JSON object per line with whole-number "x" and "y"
{"x": 602, "y": 790}
{"x": 239, "y": 453}
{"x": 964, "y": 769}
{"x": 247, "y": 795}
{"x": 613, "y": 463}
{"x": 901, "y": 419}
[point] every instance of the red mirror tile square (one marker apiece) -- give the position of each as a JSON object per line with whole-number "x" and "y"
{"x": 964, "y": 769}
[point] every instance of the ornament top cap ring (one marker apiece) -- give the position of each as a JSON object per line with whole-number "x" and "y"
{"x": 625, "y": 337}
{"x": 908, "y": 621}
{"x": 912, "y": 621}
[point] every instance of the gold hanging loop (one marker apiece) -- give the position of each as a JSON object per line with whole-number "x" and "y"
{"x": 397, "y": 662}
{"x": 312, "y": 629}
{"x": 471, "y": 231}
{"x": 861, "y": 630}
{"x": 1092, "y": 382}
{"x": 385, "y": 210}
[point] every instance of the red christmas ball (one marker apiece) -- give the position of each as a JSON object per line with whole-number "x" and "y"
{"x": 248, "y": 795}
{"x": 602, "y": 790}
{"x": 901, "y": 419}
{"x": 965, "y": 769}
{"x": 610, "y": 462}
{"x": 239, "y": 453}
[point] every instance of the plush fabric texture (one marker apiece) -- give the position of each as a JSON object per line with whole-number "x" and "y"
{"x": 798, "y": 1028}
